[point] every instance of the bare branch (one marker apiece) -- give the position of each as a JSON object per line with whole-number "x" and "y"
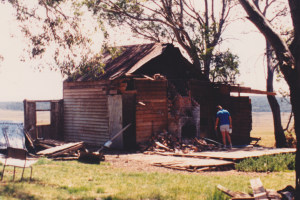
{"x": 288, "y": 124}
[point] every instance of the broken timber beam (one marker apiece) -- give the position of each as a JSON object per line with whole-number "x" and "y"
{"x": 258, "y": 189}
{"x": 57, "y": 149}
{"x": 74, "y": 148}
{"x": 234, "y": 194}
{"x": 162, "y": 146}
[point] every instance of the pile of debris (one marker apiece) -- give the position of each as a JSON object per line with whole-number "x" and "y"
{"x": 162, "y": 142}
{"x": 66, "y": 151}
{"x": 259, "y": 192}
{"x": 42, "y": 144}
{"x": 58, "y": 150}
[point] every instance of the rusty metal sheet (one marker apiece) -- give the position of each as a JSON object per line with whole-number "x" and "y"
{"x": 131, "y": 58}
{"x": 12, "y": 135}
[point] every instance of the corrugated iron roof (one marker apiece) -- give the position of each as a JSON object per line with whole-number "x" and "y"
{"x": 131, "y": 59}
{"x": 11, "y": 135}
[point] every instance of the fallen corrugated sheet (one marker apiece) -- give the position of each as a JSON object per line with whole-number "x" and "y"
{"x": 234, "y": 154}
{"x": 180, "y": 163}
{"x": 12, "y": 135}
{"x": 59, "y": 150}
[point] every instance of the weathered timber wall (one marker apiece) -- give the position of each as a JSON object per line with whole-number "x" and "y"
{"x": 30, "y": 118}
{"x": 52, "y": 131}
{"x": 115, "y": 119}
{"x": 43, "y": 131}
{"x": 86, "y": 112}
{"x": 241, "y": 113}
{"x": 129, "y": 137}
{"x": 151, "y": 117}
{"x": 57, "y": 120}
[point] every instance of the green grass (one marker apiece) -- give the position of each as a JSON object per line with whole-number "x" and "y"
{"x": 75, "y": 180}
{"x": 270, "y": 163}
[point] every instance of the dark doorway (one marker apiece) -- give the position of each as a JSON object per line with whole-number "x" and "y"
{"x": 188, "y": 130}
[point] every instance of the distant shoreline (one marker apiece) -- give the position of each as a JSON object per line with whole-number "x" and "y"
{"x": 259, "y": 104}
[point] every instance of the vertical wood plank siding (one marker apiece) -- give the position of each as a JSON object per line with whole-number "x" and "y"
{"x": 129, "y": 137}
{"x": 240, "y": 110}
{"x": 30, "y": 118}
{"x": 151, "y": 117}
{"x": 115, "y": 119}
{"x": 43, "y": 131}
{"x": 57, "y": 121}
{"x": 86, "y": 112}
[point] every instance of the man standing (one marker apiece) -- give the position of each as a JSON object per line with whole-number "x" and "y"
{"x": 225, "y": 124}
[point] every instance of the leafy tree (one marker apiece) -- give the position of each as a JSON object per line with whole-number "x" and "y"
{"x": 224, "y": 67}
{"x": 196, "y": 30}
{"x": 55, "y": 28}
{"x": 288, "y": 58}
{"x": 279, "y": 11}
{"x": 58, "y": 25}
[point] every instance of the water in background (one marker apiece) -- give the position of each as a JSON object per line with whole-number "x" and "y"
{"x": 43, "y": 117}
{"x": 261, "y": 121}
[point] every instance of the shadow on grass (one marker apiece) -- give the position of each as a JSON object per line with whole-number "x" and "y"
{"x": 13, "y": 189}
{"x": 15, "y": 192}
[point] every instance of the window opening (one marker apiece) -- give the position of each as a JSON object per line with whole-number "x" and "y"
{"x": 43, "y": 114}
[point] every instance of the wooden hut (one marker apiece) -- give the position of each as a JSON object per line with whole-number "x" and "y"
{"x": 153, "y": 87}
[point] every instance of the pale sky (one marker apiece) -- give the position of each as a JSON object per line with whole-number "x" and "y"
{"x": 19, "y": 80}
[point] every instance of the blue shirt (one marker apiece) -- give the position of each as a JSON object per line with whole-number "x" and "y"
{"x": 223, "y": 116}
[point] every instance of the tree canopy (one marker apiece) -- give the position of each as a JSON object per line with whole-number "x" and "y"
{"x": 288, "y": 58}
{"x": 196, "y": 26}
{"x": 56, "y": 29}
{"x": 59, "y": 26}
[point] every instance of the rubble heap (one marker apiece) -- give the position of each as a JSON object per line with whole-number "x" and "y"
{"x": 162, "y": 142}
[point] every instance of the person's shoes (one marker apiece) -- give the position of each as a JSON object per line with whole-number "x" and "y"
{"x": 230, "y": 146}
{"x": 224, "y": 147}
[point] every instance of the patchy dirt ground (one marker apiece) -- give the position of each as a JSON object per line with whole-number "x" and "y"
{"x": 127, "y": 164}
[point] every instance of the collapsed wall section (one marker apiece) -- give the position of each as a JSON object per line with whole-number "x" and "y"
{"x": 183, "y": 111}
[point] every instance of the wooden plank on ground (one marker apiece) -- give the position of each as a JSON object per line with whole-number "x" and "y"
{"x": 58, "y": 148}
{"x": 234, "y": 154}
{"x": 232, "y": 193}
{"x": 74, "y": 148}
{"x": 177, "y": 162}
{"x": 258, "y": 189}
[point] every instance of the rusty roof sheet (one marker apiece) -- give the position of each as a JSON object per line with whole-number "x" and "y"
{"x": 12, "y": 135}
{"x": 131, "y": 58}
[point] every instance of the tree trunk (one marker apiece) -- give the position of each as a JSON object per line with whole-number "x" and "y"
{"x": 289, "y": 59}
{"x": 278, "y": 130}
{"x": 295, "y": 99}
{"x": 207, "y": 61}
